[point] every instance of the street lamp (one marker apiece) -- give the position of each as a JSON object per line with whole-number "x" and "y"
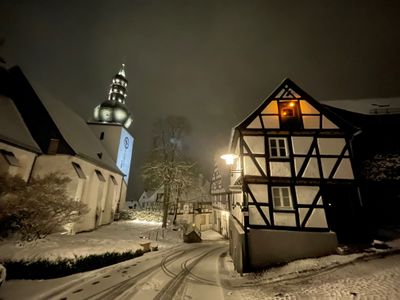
{"x": 229, "y": 158}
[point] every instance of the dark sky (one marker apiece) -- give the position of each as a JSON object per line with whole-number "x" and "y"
{"x": 211, "y": 61}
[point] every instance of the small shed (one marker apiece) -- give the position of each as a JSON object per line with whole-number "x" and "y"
{"x": 192, "y": 235}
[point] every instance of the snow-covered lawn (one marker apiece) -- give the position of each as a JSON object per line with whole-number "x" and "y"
{"x": 119, "y": 236}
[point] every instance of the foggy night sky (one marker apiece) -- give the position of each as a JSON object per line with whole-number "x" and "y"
{"x": 211, "y": 61}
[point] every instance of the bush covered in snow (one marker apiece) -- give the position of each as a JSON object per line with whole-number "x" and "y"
{"x": 141, "y": 215}
{"x": 35, "y": 209}
{"x": 382, "y": 168}
{"x": 46, "y": 269}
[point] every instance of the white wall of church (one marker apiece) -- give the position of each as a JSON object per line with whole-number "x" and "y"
{"x": 100, "y": 196}
{"x": 111, "y": 137}
{"x": 25, "y": 160}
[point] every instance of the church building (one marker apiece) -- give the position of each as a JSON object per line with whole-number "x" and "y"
{"x": 41, "y": 135}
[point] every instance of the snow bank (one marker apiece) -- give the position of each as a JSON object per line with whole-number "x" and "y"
{"x": 119, "y": 236}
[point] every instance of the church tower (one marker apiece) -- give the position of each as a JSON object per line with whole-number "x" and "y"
{"x": 111, "y": 119}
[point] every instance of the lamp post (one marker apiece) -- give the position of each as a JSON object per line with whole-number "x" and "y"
{"x": 229, "y": 158}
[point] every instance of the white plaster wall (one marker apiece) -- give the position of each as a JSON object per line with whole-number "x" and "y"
{"x": 311, "y": 122}
{"x": 249, "y": 167}
{"x": 280, "y": 169}
{"x": 91, "y": 191}
{"x": 327, "y": 165}
{"x": 298, "y": 162}
{"x": 255, "y": 217}
{"x": 272, "y": 108}
{"x": 25, "y": 159}
{"x": 301, "y": 144}
{"x": 122, "y": 197}
{"x": 255, "y": 143}
{"x": 331, "y": 146}
{"x": 344, "y": 170}
{"x": 306, "y": 194}
{"x": 270, "y": 122}
{"x": 111, "y": 139}
{"x": 237, "y": 202}
{"x": 255, "y": 124}
{"x": 307, "y": 108}
{"x": 317, "y": 218}
{"x": 260, "y": 192}
{"x": 312, "y": 170}
{"x": 327, "y": 124}
{"x": 284, "y": 219}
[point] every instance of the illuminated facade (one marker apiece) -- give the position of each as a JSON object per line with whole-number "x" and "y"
{"x": 293, "y": 191}
{"x": 114, "y": 110}
{"x": 39, "y": 135}
{"x": 220, "y": 196}
{"x": 111, "y": 121}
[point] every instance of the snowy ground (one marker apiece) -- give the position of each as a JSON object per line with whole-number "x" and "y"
{"x": 374, "y": 274}
{"x": 367, "y": 275}
{"x": 117, "y": 237}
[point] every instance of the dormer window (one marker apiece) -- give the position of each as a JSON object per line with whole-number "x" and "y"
{"x": 290, "y": 115}
{"x": 288, "y": 112}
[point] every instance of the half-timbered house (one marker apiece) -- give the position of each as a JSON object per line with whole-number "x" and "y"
{"x": 294, "y": 194}
{"x": 219, "y": 190}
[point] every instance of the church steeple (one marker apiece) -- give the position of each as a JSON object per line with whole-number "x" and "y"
{"x": 114, "y": 110}
{"x": 118, "y": 88}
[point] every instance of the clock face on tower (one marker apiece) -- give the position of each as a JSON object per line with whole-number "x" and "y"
{"x": 106, "y": 114}
{"x": 126, "y": 142}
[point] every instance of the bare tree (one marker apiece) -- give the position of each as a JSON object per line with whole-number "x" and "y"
{"x": 168, "y": 165}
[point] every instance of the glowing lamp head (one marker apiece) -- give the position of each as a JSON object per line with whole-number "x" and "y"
{"x": 229, "y": 158}
{"x": 291, "y": 104}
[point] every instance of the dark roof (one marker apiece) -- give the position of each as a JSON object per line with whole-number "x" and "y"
{"x": 12, "y": 127}
{"x": 370, "y": 106}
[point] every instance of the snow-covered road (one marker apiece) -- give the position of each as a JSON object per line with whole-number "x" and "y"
{"x": 377, "y": 278}
{"x": 187, "y": 271}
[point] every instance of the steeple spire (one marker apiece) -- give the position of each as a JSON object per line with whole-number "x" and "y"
{"x": 118, "y": 88}
{"x": 114, "y": 110}
{"x": 122, "y": 71}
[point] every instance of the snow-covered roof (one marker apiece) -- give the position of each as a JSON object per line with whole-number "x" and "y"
{"x": 12, "y": 127}
{"x": 75, "y": 131}
{"x": 371, "y": 106}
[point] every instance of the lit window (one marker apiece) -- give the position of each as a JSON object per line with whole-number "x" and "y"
{"x": 288, "y": 112}
{"x": 100, "y": 176}
{"x": 277, "y": 147}
{"x": 281, "y": 198}
{"x": 10, "y": 158}
{"x": 79, "y": 170}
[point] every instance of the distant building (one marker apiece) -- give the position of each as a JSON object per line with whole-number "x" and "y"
{"x": 220, "y": 197}
{"x": 151, "y": 200}
{"x": 376, "y": 149}
{"x": 193, "y": 206}
{"x": 40, "y": 135}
